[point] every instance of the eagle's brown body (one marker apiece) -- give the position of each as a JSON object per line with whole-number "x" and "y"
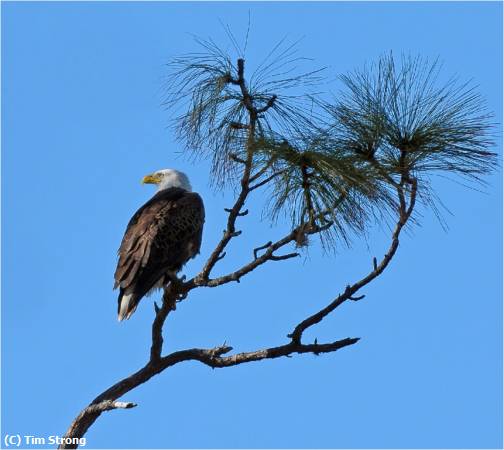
{"x": 160, "y": 238}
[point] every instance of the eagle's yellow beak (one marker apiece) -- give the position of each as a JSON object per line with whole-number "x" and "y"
{"x": 151, "y": 179}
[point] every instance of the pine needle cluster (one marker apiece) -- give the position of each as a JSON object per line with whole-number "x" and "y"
{"x": 332, "y": 165}
{"x": 400, "y": 117}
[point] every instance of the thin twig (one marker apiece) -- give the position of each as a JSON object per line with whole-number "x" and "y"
{"x": 247, "y": 268}
{"x": 237, "y": 159}
{"x": 266, "y": 180}
{"x": 262, "y": 170}
{"x": 240, "y": 214}
{"x": 262, "y": 247}
{"x": 238, "y": 126}
{"x": 307, "y": 194}
{"x": 268, "y": 105}
{"x": 283, "y": 257}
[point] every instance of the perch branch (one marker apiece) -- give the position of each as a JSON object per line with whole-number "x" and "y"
{"x": 176, "y": 290}
{"x": 211, "y": 357}
{"x": 168, "y": 304}
{"x": 214, "y": 357}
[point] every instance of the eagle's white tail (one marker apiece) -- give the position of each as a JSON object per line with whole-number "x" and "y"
{"x": 125, "y": 309}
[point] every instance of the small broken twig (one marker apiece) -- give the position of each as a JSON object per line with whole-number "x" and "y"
{"x": 262, "y": 247}
{"x": 282, "y": 257}
{"x": 239, "y": 214}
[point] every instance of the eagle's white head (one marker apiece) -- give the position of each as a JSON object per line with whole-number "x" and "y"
{"x": 167, "y": 178}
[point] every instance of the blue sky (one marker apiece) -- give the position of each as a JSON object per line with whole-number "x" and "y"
{"x": 82, "y": 122}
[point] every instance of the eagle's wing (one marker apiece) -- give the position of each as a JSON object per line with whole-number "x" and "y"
{"x": 162, "y": 235}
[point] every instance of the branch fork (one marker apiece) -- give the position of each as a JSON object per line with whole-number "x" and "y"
{"x": 262, "y": 247}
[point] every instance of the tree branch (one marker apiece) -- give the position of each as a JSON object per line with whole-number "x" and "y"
{"x": 210, "y": 357}
{"x": 178, "y": 289}
{"x": 404, "y": 215}
{"x": 268, "y": 105}
{"x": 262, "y": 247}
{"x": 268, "y": 255}
{"x": 214, "y": 357}
{"x": 169, "y": 302}
{"x": 262, "y": 170}
{"x": 238, "y": 126}
{"x": 247, "y": 268}
{"x": 283, "y": 257}
{"x": 307, "y": 194}
{"x": 237, "y": 159}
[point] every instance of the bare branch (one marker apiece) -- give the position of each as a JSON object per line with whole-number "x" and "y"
{"x": 268, "y": 255}
{"x": 87, "y": 417}
{"x": 247, "y": 99}
{"x": 210, "y": 357}
{"x": 123, "y": 405}
{"x": 404, "y": 215}
{"x": 247, "y": 268}
{"x": 282, "y": 257}
{"x": 239, "y": 126}
{"x": 413, "y": 195}
{"x": 307, "y": 194}
{"x": 169, "y": 302}
{"x": 237, "y": 159}
{"x": 270, "y": 353}
{"x": 270, "y": 103}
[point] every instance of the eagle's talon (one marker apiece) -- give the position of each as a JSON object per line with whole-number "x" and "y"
{"x": 182, "y": 297}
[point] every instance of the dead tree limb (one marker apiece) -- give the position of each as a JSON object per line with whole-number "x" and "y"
{"x": 211, "y": 357}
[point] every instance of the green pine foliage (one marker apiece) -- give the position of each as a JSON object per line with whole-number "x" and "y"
{"x": 333, "y": 166}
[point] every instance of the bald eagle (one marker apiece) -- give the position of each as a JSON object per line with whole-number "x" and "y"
{"x": 159, "y": 239}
